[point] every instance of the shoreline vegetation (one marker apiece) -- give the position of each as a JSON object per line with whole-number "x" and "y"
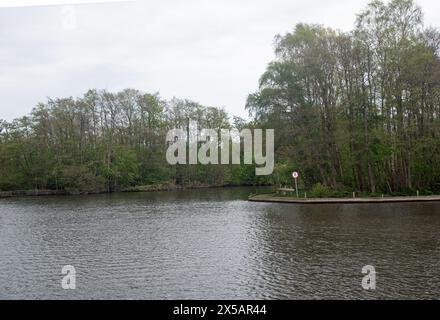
{"x": 160, "y": 187}
{"x": 274, "y": 198}
{"x": 263, "y": 193}
{"x": 351, "y": 111}
{"x": 320, "y": 194}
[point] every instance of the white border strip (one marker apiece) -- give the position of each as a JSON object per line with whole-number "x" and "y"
{"x": 35, "y": 3}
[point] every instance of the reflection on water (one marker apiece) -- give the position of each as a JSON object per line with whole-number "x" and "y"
{"x": 212, "y": 244}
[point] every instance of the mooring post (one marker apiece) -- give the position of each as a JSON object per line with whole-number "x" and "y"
{"x": 305, "y": 195}
{"x": 354, "y": 195}
{"x": 418, "y": 193}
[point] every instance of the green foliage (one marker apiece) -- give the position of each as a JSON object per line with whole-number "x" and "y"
{"x": 321, "y": 191}
{"x": 108, "y": 142}
{"x": 357, "y": 110}
{"x": 79, "y": 179}
{"x": 352, "y": 111}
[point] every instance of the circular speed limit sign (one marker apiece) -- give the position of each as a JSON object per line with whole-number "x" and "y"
{"x": 295, "y": 175}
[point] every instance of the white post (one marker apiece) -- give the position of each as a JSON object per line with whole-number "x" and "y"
{"x": 296, "y": 188}
{"x": 354, "y": 195}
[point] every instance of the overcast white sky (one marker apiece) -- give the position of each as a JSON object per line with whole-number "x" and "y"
{"x": 210, "y": 51}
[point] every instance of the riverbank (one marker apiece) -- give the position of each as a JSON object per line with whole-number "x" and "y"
{"x": 148, "y": 188}
{"x": 31, "y": 193}
{"x": 272, "y": 198}
{"x": 160, "y": 187}
{"x": 170, "y": 186}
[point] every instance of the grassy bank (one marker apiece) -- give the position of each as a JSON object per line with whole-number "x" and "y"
{"x": 320, "y": 191}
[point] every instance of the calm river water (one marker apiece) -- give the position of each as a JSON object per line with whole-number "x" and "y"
{"x": 212, "y": 244}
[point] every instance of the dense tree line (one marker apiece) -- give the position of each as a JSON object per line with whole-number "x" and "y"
{"x": 106, "y": 141}
{"x": 357, "y": 110}
{"x": 351, "y": 111}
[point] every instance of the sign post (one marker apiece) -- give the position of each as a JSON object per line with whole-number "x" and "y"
{"x": 295, "y": 176}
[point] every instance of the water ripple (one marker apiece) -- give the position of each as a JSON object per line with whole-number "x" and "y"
{"x": 214, "y": 245}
